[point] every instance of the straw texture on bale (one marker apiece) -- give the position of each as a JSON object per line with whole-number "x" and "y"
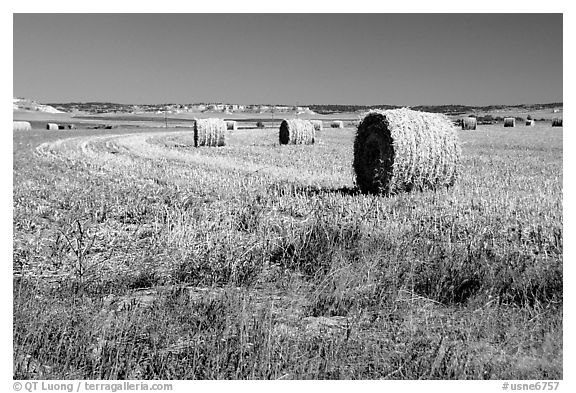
{"x": 297, "y": 132}
{"x": 21, "y": 126}
{"x": 209, "y": 132}
{"x": 509, "y": 122}
{"x": 530, "y": 123}
{"x": 231, "y": 125}
{"x": 557, "y": 122}
{"x": 318, "y": 126}
{"x": 51, "y": 126}
{"x": 400, "y": 149}
{"x": 337, "y": 124}
{"x": 469, "y": 123}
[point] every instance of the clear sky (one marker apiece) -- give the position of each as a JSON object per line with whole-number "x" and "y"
{"x": 398, "y": 59}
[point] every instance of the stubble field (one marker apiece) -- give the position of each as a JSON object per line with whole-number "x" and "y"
{"x": 138, "y": 256}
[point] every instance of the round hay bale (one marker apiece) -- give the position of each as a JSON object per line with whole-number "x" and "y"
{"x": 71, "y": 126}
{"x": 21, "y": 126}
{"x": 209, "y": 132}
{"x": 469, "y": 123}
{"x": 52, "y": 126}
{"x": 530, "y": 123}
{"x": 318, "y": 125}
{"x": 296, "y": 132}
{"x": 337, "y": 124}
{"x": 509, "y": 122}
{"x": 61, "y": 126}
{"x": 557, "y": 122}
{"x": 399, "y": 149}
{"x": 231, "y": 125}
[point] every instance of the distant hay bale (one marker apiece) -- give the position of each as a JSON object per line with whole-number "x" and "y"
{"x": 509, "y": 122}
{"x": 61, "y": 126}
{"x": 530, "y": 123}
{"x": 469, "y": 123}
{"x": 71, "y": 126}
{"x": 231, "y": 125}
{"x": 209, "y": 132}
{"x": 52, "y": 126}
{"x": 557, "y": 122}
{"x": 337, "y": 124}
{"x": 297, "y": 132}
{"x": 21, "y": 126}
{"x": 399, "y": 149}
{"x": 318, "y": 125}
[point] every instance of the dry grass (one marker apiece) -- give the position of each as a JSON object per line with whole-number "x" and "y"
{"x": 397, "y": 150}
{"x": 209, "y": 132}
{"x": 296, "y": 132}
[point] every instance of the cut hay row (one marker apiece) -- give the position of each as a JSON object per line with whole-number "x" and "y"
{"x": 397, "y": 150}
{"x": 209, "y": 132}
{"x": 557, "y": 122}
{"x": 469, "y": 123}
{"x": 318, "y": 125}
{"x": 530, "y": 123}
{"x": 509, "y": 122}
{"x": 337, "y": 124}
{"x": 296, "y": 132}
{"x": 21, "y": 126}
{"x": 51, "y": 126}
{"x": 231, "y": 125}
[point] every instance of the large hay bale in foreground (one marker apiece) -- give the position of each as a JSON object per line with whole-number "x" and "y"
{"x": 231, "y": 125}
{"x": 297, "y": 132}
{"x": 209, "y": 132}
{"x": 52, "y": 126}
{"x": 557, "y": 122}
{"x": 337, "y": 124}
{"x": 469, "y": 123}
{"x": 399, "y": 149}
{"x": 530, "y": 123}
{"x": 509, "y": 122}
{"x": 318, "y": 125}
{"x": 21, "y": 126}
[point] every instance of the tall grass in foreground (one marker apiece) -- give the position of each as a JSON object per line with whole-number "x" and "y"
{"x": 137, "y": 268}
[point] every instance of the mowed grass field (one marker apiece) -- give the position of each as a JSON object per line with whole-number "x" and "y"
{"x": 138, "y": 256}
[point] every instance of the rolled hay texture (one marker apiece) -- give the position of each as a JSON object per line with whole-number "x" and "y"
{"x": 209, "y": 132}
{"x": 231, "y": 125}
{"x": 400, "y": 149}
{"x": 318, "y": 126}
{"x": 530, "y": 123}
{"x": 337, "y": 124}
{"x": 21, "y": 126}
{"x": 469, "y": 123}
{"x": 509, "y": 122}
{"x": 51, "y": 126}
{"x": 557, "y": 122}
{"x": 297, "y": 132}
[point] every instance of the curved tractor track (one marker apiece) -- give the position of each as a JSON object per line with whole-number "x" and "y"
{"x": 121, "y": 150}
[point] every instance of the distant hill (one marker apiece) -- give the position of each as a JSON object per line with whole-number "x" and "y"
{"x": 24, "y": 104}
{"x": 321, "y": 109}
